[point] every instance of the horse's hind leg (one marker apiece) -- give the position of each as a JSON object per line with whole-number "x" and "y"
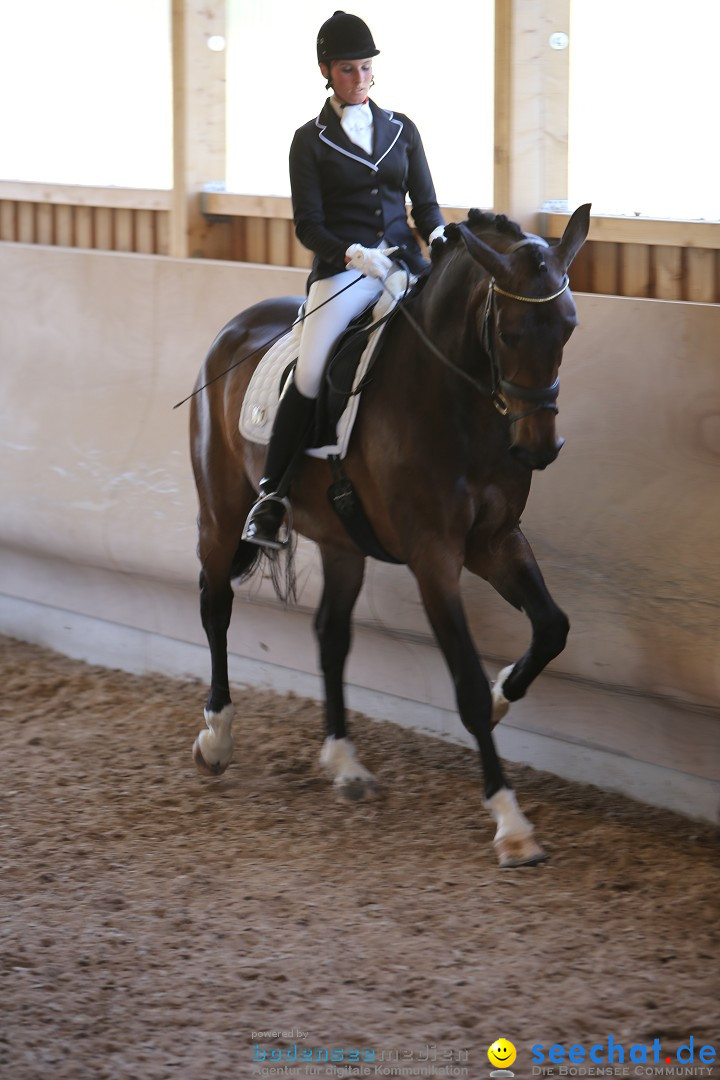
{"x": 223, "y": 557}
{"x": 515, "y": 574}
{"x": 344, "y": 573}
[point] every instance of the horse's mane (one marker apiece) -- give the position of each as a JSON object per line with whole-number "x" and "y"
{"x": 479, "y": 222}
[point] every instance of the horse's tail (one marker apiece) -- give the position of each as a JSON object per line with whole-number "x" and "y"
{"x": 245, "y": 561}
{"x": 248, "y": 557}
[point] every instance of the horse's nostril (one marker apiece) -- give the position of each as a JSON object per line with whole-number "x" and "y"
{"x": 522, "y": 455}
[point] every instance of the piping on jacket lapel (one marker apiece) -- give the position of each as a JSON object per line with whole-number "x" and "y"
{"x": 385, "y": 119}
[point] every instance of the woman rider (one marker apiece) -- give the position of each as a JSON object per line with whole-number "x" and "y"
{"x": 350, "y": 171}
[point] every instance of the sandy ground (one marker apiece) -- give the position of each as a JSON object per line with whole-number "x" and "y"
{"x": 152, "y": 923}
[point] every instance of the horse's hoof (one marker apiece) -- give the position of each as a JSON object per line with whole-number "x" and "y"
{"x": 355, "y": 789}
{"x": 500, "y": 704}
{"x": 204, "y": 767}
{"x": 519, "y": 851}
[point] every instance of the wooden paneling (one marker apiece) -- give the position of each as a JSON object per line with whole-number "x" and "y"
{"x": 8, "y": 220}
{"x": 44, "y": 230}
{"x": 255, "y": 241}
{"x": 605, "y": 269}
{"x": 663, "y": 260}
{"x": 79, "y": 195}
{"x": 299, "y": 255}
{"x": 700, "y": 275}
{"x": 668, "y": 263}
{"x": 124, "y": 231}
{"x": 634, "y": 230}
{"x": 84, "y": 231}
{"x": 278, "y": 243}
{"x": 103, "y": 229}
{"x": 145, "y": 232}
{"x": 162, "y": 234}
{"x": 635, "y": 272}
{"x": 64, "y": 226}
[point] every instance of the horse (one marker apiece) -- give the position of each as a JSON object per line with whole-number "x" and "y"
{"x": 459, "y": 412}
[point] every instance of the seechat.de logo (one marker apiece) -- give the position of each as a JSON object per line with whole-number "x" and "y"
{"x": 639, "y": 1059}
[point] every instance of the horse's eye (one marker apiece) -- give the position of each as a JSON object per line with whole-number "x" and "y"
{"x": 508, "y": 338}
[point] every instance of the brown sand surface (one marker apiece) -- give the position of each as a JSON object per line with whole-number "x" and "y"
{"x": 153, "y": 922}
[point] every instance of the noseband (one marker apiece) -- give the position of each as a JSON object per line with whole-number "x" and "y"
{"x": 544, "y": 397}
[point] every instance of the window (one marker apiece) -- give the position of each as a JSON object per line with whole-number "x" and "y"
{"x": 86, "y": 92}
{"x": 643, "y": 125}
{"x": 436, "y": 65}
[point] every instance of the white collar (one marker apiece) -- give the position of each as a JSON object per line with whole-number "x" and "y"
{"x": 361, "y": 112}
{"x": 357, "y": 122}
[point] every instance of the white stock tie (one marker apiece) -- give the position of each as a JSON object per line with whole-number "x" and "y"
{"x": 357, "y": 123}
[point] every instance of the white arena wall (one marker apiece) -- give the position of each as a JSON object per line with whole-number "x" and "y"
{"x": 97, "y": 526}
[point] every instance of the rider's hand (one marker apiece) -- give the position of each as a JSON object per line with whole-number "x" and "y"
{"x": 437, "y": 234}
{"x": 372, "y": 262}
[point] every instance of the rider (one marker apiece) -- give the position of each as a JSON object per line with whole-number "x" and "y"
{"x": 350, "y": 171}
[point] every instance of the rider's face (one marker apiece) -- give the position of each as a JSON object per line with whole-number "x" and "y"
{"x": 350, "y": 79}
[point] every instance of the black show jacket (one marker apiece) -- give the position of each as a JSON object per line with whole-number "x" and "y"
{"x": 343, "y": 196}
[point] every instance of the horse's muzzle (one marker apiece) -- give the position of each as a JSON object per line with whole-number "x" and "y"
{"x": 537, "y": 457}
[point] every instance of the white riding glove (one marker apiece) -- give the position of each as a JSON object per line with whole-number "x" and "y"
{"x": 437, "y": 234}
{"x": 372, "y": 262}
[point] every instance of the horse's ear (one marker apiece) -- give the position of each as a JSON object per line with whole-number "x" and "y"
{"x": 574, "y": 236}
{"x": 490, "y": 259}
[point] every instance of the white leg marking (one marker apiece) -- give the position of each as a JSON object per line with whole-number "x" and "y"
{"x": 511, "y": 822}
{"x": 338, "y": 757}
{"x": 215, "y": 744}
{"x": 500, "y": 703}
{"x": 513, "y": 841}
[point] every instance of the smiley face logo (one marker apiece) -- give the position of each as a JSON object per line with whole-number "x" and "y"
{"x": 501, "y": 1054}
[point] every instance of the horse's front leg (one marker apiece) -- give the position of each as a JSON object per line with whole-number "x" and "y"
{"x": 514, "y": 573}
{"x": 223, "y": 558}
{"x": 343, "y": 573}
{"x": 440, "y": 591}
{"x": 213, "y": 748}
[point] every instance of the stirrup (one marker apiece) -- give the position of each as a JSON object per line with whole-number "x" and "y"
{"x": 272, "y": 537}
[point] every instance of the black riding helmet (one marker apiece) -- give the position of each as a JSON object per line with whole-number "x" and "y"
{"x": 344, "y": 37}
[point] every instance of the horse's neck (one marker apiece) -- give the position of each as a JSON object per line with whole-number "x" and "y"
{"x": 449, "y": 312}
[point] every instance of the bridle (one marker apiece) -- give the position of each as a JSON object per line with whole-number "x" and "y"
{"x": 543, "y": 397}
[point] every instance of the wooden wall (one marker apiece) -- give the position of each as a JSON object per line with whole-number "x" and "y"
{"x": 102, "y": 219}
{"x": 98, "y": 529}
{"x": 623, "y": 257}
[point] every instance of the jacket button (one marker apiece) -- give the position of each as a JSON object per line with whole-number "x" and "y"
{"x": 375, "y": 191}
{"x": 379, "y": 234}
{"x": 378, "y": 213}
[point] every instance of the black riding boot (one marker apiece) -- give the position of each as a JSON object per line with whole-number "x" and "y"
{"x": 289, "y": 433}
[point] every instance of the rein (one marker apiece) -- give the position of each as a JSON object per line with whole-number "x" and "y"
{"x": 541, "y": 397}
{"x": 269, "y": 342}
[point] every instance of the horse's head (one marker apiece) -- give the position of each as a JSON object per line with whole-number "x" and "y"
{"x": 525, "y": 316}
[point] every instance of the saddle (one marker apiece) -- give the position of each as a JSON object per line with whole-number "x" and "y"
{"x": 345, "y": 375}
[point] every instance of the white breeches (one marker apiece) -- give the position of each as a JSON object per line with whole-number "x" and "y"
{"x": 321, "y": 329}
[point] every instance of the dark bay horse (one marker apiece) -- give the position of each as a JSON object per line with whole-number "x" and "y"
{"x": 460, "y": 409}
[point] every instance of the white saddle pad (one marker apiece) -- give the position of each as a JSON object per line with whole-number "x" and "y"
{"x": 261, "y": 400}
